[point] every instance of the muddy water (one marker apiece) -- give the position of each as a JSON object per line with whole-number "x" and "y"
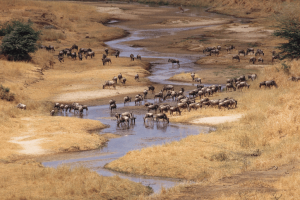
{"x": 140, "y": 134}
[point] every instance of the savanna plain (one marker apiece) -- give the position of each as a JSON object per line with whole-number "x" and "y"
{"x": 253, "y": 155}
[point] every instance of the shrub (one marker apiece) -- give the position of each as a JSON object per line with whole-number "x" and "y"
{"x": 19, "y": 40}
{"x": 5, "y": 94}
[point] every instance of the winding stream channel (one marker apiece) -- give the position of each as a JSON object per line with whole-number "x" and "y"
{"x": 140, "y": 135}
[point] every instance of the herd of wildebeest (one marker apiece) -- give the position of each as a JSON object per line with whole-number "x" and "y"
{"x": 180, "y": 101}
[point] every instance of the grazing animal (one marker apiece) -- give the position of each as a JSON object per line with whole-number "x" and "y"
{"x": 90, "y": 53}
{"x": 158, "y": 95}
{"x": 120, "y": 77}
{"x": 79, "y": 56}
{"x": 127, "y": 99}
{"x": 106, "y": 51}
{"x": 148, "y": 104}
{"x": 208, "y": 49}
{"x": 123, "y": 119}
{"x": 115, "y": 79}
{"x": 50, "y": 48}
{"x": 242, "y": 85}
{"x": 181, "y": 91}
{"x": 162, "y": 116}
{"x": 42, "y": 47}
{"x": 137, "y": 77}
{"x": 219, "y": 48}
{"x": 112, "y": 106}
{"x": 215, "y": 51}
{"x": 61, "y": 53}
{"x": 241, "y": 52}
{"x": 183, "y": 105}
{"x": 230, "y": 86}
{"x": 106, "y": 60}
{"x": 168, "y": 87}
{"x": 148, "y": 116}
{"x": 271, "y": 83}
{"x": 293, "y": 78}
{"x": 112, "y": 101}
{"x": 198, "y": 80}
{"x": 193, "y": 75}
{"x": 236, "y": 57}
{"x": 124, "y": 81}
{"x": 275, "y": 57}
{"x": 109, "y": 83}
{"x": 85, "y": 50}
{"x": 260, "y": 60}
{"x": 195, "y": 106}
{"x": 153, "y": 107}
{"x": 21, "y": 106}
{"x": 117, "y": 53}
{"x": 131, "y": 57}
{"x": 74, "y": 47}
{"x": 52, "y": 112}
{"x": 250, "y": 50}
{"x": 175, "y": 109}
{"x": 164, "y": 108}
{"x": 138, "y": 100}
{"x": 139, "y": 57}
{"x": 252, "y": 77}
{"x": 73, "y": 55}
{"x": 259, "y": 52}
{"x": 230, "y": 48}
{"x": 252, "y": 59}
{"x": 60, "y": 58}
{"x": 145, "y": 93}
{"x": 174, "y": 61}
{"x": 104, "y": 56}
{"x": 151, "y": 88}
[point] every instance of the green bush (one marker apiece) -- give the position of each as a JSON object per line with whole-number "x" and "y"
{"x": 5, "y": 94}
{"x": 19, "y": 40}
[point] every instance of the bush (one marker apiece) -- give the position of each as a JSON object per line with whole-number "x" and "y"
{"x": 288, "y": 26}
{"x": 19, "y": 40}
{"x": 5, "y": 94}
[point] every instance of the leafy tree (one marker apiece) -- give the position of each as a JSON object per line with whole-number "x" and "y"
{"x": 288, "y": 27}
{"x": 19, "y": 40}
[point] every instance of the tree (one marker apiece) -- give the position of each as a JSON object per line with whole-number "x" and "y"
{"x": 288, "y": 27}
{"x": 19, "y": 40}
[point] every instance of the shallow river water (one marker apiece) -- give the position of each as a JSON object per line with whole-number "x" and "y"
{"x": 139, "y": 135}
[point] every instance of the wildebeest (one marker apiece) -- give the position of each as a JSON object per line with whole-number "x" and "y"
{"x": 124, "y": 81}
{"x": 159, "y": 95}
{"x": 138, "y": 100}
{"x": 139, "y": 57}
{"x": 236, "y": 57}
{"x": 241, "y": 52}
{"x": 252, "y": 59}
{"x": 148, "y": 104}
{"x": 164, "y": 108}
{"x": 230, "y": 48}
{"x": 268, "y": 83}
{"x": 242, "y": 85}
{"x": 120, "y": 77}
{"x": 85, "y": 50}
{"x": 109, "y": 83}
{"x": 106, "y": 51}
{"x": 193, "y": 75}
{"x": 230, "y": 86}
{"x": 73, "y": 55}
{"x": 181, "y": 91}
{"x": 148, "y": 115}
{"x": 215, "y": 51}
{"x": 260, "y": 60}
{"x": 195, "y": 106}
{"x": 123, "y": 119}
{"x": 74, "y": 46}
{"x": 252, "y": 77}
{"x": 250, "y": 50}
{"x": 104, "y": 56}
{"x": 175, "y": 109}
{"x": 112, "y": 106}
{"x": 115, "y": 79}
{"x": 162, "y": 116}
{"x": 174, "y": 61}
{"x": 151, "y": 88}
{"x": 21, "y": 106}
{"x": 61, "y": 53}
{"x": 117, "y": 53}
{"x": 90, "y": 53}
{"x": 52, "y": 112}
{"x": 198, "y": 80}
{"x": 50, "y": 48}
{"x": 145, "y": 93}
{"x": 106, "y": 60}
{"x": 127, "y": 99}
{"x": 131, "y": 57}
{"x": 137, "y": 77}
{"x": 60, "y": 58}
{"x": 293, "y": 78}
{"x": 275, "y": 57}
{"x": 153, "y": 107}
{"x": 168, "y": 87}
{"x": 80, "y": 56}
{"x": 208, "y": 49}
{"x": 183, "y": 105}
{"x": 259, "y": 52}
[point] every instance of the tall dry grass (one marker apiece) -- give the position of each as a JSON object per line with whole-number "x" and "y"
{"x": 270, "y": 123}
{"x": 30, "y": 180}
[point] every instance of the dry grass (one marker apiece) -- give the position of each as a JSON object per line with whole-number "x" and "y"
{"x": 270, "y": 122}
{"x": 30, "y": 180}
{"x": 50, "y": 35}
